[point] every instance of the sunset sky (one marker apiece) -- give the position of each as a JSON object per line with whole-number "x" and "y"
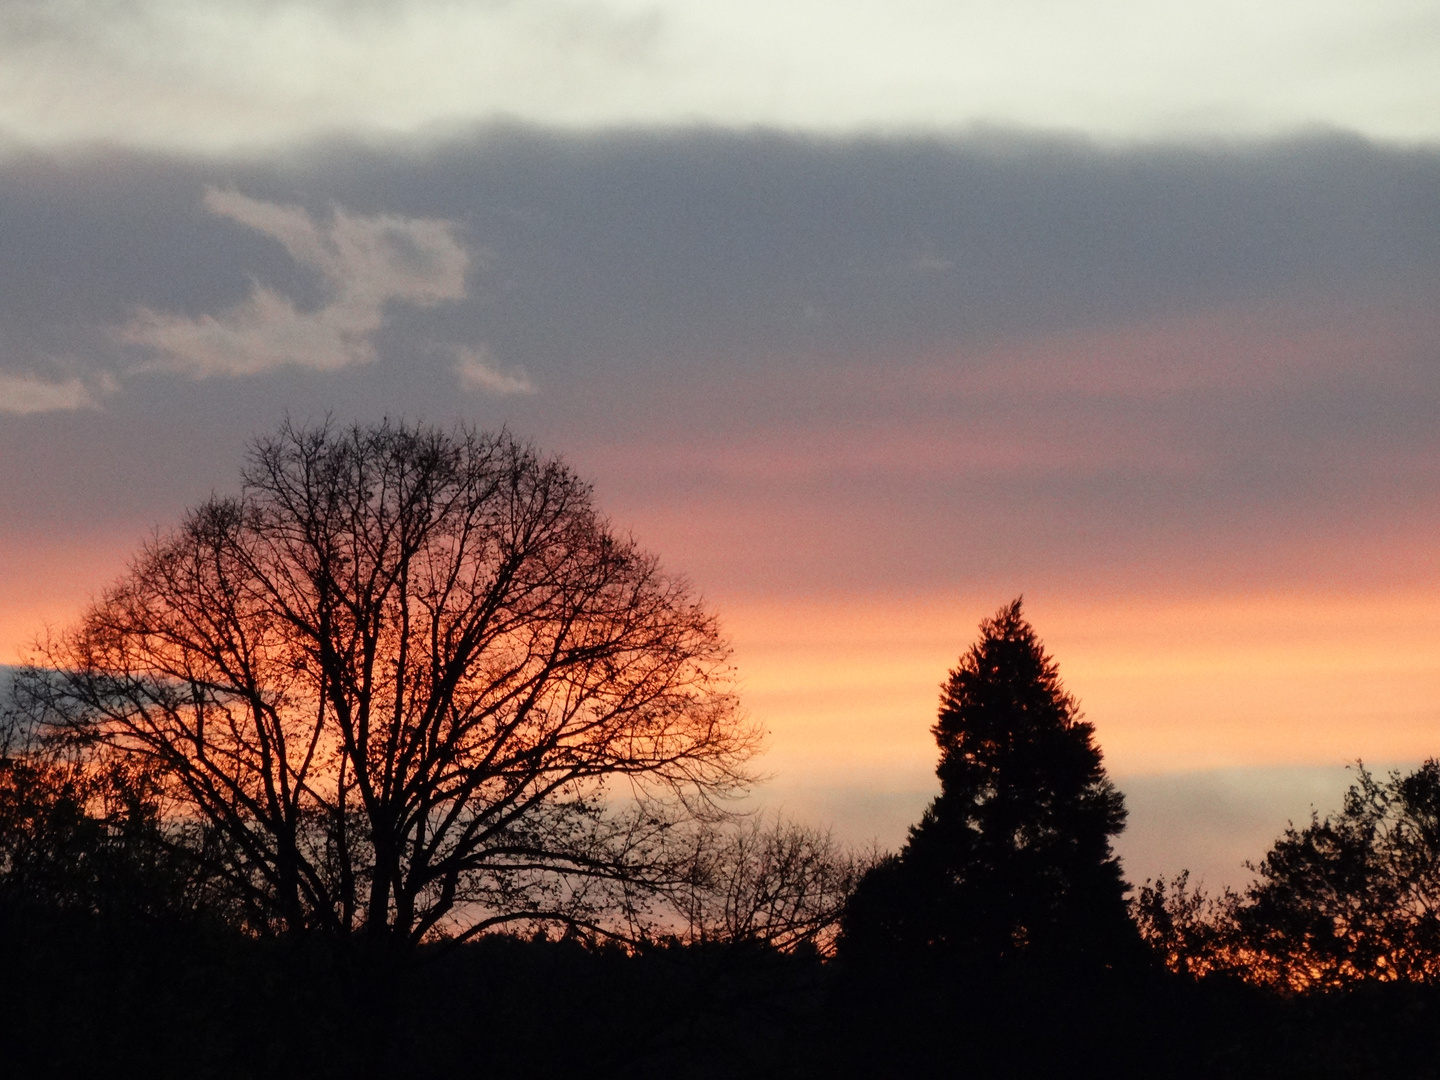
{"x": 866, "y": 316}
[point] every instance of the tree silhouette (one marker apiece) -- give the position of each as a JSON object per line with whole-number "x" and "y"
{"x": 1013, "y": 858}
{"x": 406, "y": 684}
{"x": 1351, "y": 898}
{"x": 768, "y": 881}
{"x": 78, "y": 842}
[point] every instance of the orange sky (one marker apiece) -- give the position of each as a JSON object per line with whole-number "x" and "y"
{"x": 848, "y": 684}
{"x": 1221, "y": 718}
{"x": 1171, "y": 685}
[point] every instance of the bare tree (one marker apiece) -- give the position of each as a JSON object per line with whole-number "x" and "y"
{"x": 406, "y": 684}
{"x": 771, "y": 881}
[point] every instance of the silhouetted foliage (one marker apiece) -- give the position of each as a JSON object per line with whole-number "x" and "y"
{"x": 1013, "y": 858}
{"x": 1349, "y": 899}
{"x": 407, "y": 684}
{"x": 89, "y": 842}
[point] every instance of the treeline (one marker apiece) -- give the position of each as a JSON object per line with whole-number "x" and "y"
{"x": 402, "y": 763}
{"x": 997, "y": 942}
{"x": 1351, "y": 899}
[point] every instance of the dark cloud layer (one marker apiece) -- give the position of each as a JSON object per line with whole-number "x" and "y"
{"x": 721, "y": 246}
{"x": 1060, "y": 358}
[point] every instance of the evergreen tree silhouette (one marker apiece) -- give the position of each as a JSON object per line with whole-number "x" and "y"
{"x": 1013, "y": 858}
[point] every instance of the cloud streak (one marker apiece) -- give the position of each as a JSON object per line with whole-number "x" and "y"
{"x": 477, "y": 371}
{"x": 365, "y": 263}
{"x": 22, "y": 395}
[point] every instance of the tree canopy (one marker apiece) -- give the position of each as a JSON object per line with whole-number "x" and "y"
{"x": 1350, "y": 898}
{"x": 1013, "y": 858}
{"x": 407, "y": 682}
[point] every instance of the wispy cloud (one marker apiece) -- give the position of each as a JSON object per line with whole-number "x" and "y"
{"x": 365, "y": 262}
{"x": 476, "y": 370}
{"x": 21, "y": 395}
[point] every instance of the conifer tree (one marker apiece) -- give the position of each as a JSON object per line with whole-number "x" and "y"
{"x": 1013, "y": 858}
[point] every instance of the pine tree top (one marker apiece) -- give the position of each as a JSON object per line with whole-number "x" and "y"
{"x": 1009, "y": 732}
{"x": 1005, "y": 690}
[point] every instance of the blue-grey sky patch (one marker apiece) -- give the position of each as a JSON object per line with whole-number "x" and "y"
{"x": 1065, "y": 358}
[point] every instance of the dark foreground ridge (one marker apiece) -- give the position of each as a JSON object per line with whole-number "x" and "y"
{"x": 90, "y": 997}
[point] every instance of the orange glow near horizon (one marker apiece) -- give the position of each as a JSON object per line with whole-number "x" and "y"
{"x": 849, "y": 687}
{"x": 48, "y": 585}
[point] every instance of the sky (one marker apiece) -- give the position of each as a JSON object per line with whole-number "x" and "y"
{"x": 867, "y": 317}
